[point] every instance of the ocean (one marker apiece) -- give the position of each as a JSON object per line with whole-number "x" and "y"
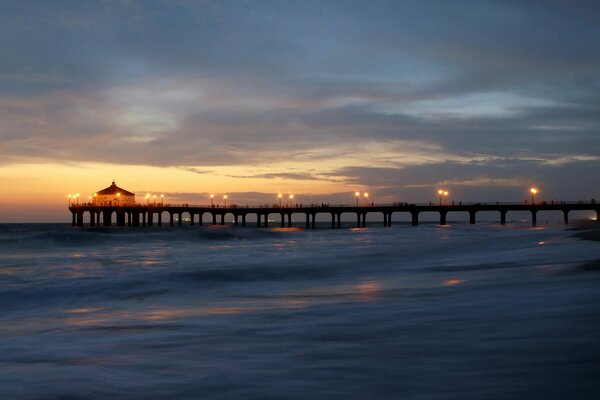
{"x": 431, "y": 312}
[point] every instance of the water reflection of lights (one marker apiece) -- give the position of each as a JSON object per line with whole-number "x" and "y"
{"x": 367, "y": 290}
{"x": 452, "y": 282}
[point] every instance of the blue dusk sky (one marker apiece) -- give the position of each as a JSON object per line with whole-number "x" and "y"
{"x": 316, "y": 98}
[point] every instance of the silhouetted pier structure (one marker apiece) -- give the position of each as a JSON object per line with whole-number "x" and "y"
{"x": 150, "y": 215}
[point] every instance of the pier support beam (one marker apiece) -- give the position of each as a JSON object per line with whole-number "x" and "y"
{"x": 160, "y": 218}
{"x": 307, "y": 220}
{"x": 171, "y": 219}
{"x": 358, "y": 220}
{"x": 339, "y": 220}
{"x": 243, "y": 219}
{"x": 179, "y": 218}
{"x": 289, "y": 215}
{"x": 266, "y": 220}
{"x": 143, "y": 217}
{"x": 214, "y": 218}
{"x": 200, "y": 216}
{"x": 472, "y": 216}
{"x": 74, "y": 221}
{"x": 313, "y": 217}
{"x": 332, "y": 220}
{"x": 192, "y": 215}
{"x": 235, "y": 219}
{"x": 223, "y": 219}
{"x": 107, "y": 216}
{"x": 503, "y": 217}
{"x": 120, "y": 218}
{"x": 443, "y": 217}
{"x": 414, "y": 218}
{"x": 533, "y": 217}
{"x": 258, "y": 220}
{"x": 566, "y": 216}
{"x": 92, "y": 218}
{"x": 364, "y": 220}
{"x": 282, "y": 216}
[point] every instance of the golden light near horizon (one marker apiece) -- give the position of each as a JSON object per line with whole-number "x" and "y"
{"x": 225, "y": 200}
{"x": 212, "y": 200}
{"x": 279, "y": 196}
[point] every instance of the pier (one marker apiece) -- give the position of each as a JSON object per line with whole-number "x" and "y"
{"x": 151, "y": 215}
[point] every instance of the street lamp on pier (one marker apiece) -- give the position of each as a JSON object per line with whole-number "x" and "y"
{"x": 366, "y": 197}
{"x": 162, "y": 200}
{"x": 212, "y": 198}
{"x": 533, "y": 191}
{"x": 69, "y": 196}
{"x": 279, "y": 196}
{"x": 357, "y": 195}
{"x": 154, "y": 198}
{"x": 225, "y": 201}
{"x": 148, "y": 199}
{"x": 118, "y": 199}
{"x": 443, "y": 193}
{"x": 291, "y": 199}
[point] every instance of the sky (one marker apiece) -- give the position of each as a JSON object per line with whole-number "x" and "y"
{"x": 316, "y": 98}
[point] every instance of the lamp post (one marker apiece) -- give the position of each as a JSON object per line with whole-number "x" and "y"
{"x": 89, "y": 199}
{"x": 69, "y": 196}
{"x": 118, "y": 199}
{"x": 279, "y": 196}
{"x": 154, "y": 197}
{"x": 148, "y": 199}
{"x": 212, "y": 198}
{"x": 162, "y": 200}
{"x": 77, "y": 195}
{"x": 357, "y": 195}
{"x": 225, "y": 201}
{"x": 366, "y": 197}
{"x": 533, "y": 191}
{"x": 95, "y": 198}
{"x": 291, "y": 199}
{"x": 442, "y": 193}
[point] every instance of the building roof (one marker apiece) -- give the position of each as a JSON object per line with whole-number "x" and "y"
{"x": 113, "y": 190}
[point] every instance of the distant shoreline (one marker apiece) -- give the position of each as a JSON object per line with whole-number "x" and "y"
{"x": 588, "y": 231}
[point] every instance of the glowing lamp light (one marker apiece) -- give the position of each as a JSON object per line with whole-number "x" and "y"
{"x": 442, "y": 193}
{"x": 533, "y": 191}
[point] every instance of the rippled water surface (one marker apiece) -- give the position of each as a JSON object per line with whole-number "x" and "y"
{"x": 455, "y": 312}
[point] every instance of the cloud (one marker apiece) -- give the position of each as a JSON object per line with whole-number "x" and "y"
{"x": 396, "y": 95}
